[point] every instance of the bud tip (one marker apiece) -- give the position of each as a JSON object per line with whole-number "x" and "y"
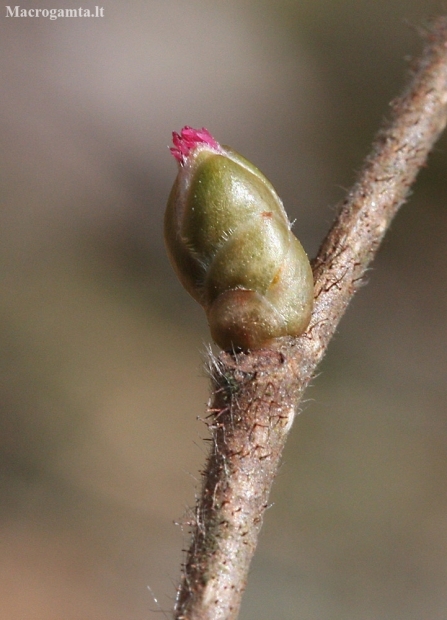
{"x": 188, "y": 139}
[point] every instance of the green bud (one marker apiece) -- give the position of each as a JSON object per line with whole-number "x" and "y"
{"x": 229, "y": 240}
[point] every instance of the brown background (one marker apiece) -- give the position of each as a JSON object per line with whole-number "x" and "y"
{"x": 100, "y": 367}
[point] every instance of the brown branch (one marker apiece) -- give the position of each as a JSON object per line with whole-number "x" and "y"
{"x": 255, "y": 395}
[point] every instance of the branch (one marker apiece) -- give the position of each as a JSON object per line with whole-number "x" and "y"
{"x": 255, "y": 395}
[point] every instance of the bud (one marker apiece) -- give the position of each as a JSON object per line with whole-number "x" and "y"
{"x": 229, "y": 240}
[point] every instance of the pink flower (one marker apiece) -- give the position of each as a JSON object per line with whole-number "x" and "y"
{"x": 188, "y": 139}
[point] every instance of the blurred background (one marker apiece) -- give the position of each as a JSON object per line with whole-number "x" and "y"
{"x": 101, "y": 351}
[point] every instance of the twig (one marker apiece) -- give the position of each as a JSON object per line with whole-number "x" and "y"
{"x": 255, "y": 395}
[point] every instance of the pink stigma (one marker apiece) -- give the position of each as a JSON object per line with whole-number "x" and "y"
{"x": 188, "y": 139}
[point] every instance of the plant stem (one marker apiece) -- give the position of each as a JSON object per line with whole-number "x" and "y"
{"x": 255, "y": 395}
